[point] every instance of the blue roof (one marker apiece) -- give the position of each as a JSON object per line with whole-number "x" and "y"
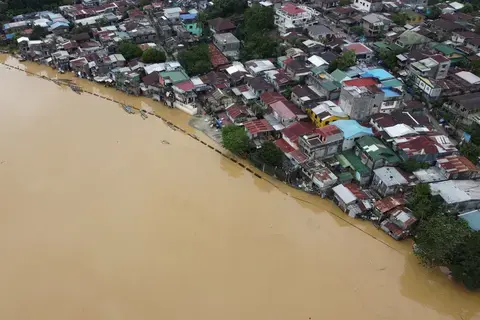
{"x": 351, "y": 128}
{"x": 381, "y": 74}
{"x": 389, "y": 93}
{"x": 188, "y": 16}
{"x": 59, "y": 24}
{"x": 473, "y": 219}
{"x": 10, "y": 36}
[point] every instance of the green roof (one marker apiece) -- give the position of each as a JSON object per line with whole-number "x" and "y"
{"x": 344, "y": 176}
{"x": 318, "y": 70}
{"x": 392, "y": 83}
{"x": 447, "y": 50}
{"x": 354, "y": 162}
{"x": 339, "y": 75}
{"x": 175, "y": 76}
{"x": 329, "y": 85}
{"x": 377, "y": 150}
{"x": 381, "y": 45}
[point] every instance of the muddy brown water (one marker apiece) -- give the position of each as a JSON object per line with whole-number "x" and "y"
{"x": 100, "y": 219}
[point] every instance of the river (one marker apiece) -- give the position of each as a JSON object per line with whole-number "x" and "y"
{"x": 102, "y": 219}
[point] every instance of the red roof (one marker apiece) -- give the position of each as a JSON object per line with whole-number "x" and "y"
{"x": 292, "y": 9}
{"x": 362, "y": 82}
{"x": 216, "y": 57}
{"x": 297, "y": 129}
{"x": 185, "y": 85}
{"x": 327, "y": 131}
{"x": 439, "y": 58}
{"x": 258, "y": 126}
{"x": 389, "y": 203}
{"x": 284, "y": 146}
{"x": 356, "y": 191}
{"x": 237, "y": 110}
{"x": 359, "y": 48}
{"x": 298, "y": 156}
{"x": 271, "y": 97}
{"x": 456, "y": 164}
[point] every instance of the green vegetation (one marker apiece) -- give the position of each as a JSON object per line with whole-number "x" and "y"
{"x": 152, "y": 55}
{"x": 258, "y": 23}
{"x": 235, "y": 139}
{"x": 412, "y": 165}
{"x": 287, "y": 93}
{"x": 38, "y": 33}
{"x": 438, "y": 238}
{"x": 196, "y": 60}
{"x": 225, "y": 8}
{"x": 129, "y": 50}
{"x": 357, "y": 30}
{"x": 471, "y": 151}
{"x": 468, "y": 8}
{"x": 434, "y": 13}
{"x": 423, "y": 204}
{"x": 80, "y": 29}
{"x": 270, "y": 154}
{"x": 11, "y": 8}
{"x": 465, "y": 263}
{"x": 345, "y": 3}
{"x": 343, "y": 62}
{"x": 400, "y": 18}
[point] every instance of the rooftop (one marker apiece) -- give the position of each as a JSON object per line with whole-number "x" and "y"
{"x": 420, "y": 145}
{"x": 361, "y": 82}
{"x": 456, "y": 164}
{"x": 389, "y": 203}
{"x": 380, "y": 74}
{"x": 456, "y": 191}
{"x": 390, "y": 176}
{"x": 292, "y": 9}
{"x": 377, "y": 150}
{"x": 468, "y": 101}
{"x": 258, "y": 126}
{"x": 472, "y": 218}
{"x": 216, "y": 56}
{"x": 358, "y": 48}
{"x": 351, "y": 128}
{"x": 221, "y": 24}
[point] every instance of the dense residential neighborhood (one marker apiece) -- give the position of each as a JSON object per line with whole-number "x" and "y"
{"x": 374, "y": 105}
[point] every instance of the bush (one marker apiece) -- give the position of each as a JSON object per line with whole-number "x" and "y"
{"x": 152, "y": 55}
{"x": 235, "y": 139}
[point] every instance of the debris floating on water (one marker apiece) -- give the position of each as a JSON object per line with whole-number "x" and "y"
{"x": 165, "y": 142}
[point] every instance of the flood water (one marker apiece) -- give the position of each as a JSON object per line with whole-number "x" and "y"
{"x": 101, "y": 219}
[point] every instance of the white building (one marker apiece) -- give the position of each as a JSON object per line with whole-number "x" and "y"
{"x": 290, "y": 16}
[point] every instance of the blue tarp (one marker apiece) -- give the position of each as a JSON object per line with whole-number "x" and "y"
{"x": 10, "y": 36}
{"x": 189, "y": 16}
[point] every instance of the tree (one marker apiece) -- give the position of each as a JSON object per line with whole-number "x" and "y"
{"x": 434, "y": 12}
{"x": 226, "y": 8}
{"x": 81, "y": 29}
{"x": 270, "y": 154}
{"x": 152, "y": 55}
{"x": 235, "y": 139}
{"x": 357, "y": 30}
{"x": 287, "y": 93}
{"x": 38, "y": 33}
{"x": 344, "y": 3}
{"x": 389, "y": 59}
{"x": 471, "y": 151}
{"x": 467, "y": 8}
{"x": 423, "y": 204}
{"x": 411, "y": 165}
{"x": 466, "y": 262}
{"x": 129, "y": 50}
{"x": 400, "y": 18}
{"x": 343, "y": 62}
{"x": 196, "y": 59}
{"x": 259, "y": 46}
{"x": 438, "y": 238}
{"x": 258, "y": 20}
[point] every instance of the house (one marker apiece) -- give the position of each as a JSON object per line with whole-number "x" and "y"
{"x": 375, "y": 24}
{"x": 472, "y": 218}
{"x": 286, "y": 112}
{"x": 59, "y": 28}
{"x": 61, "y": 59}
{"x": 79, "y": 65}
{"x": 293, "y": 132}
{"x": 456, "y": 167}
{"x": 316, "y": 61}
{"x": 296, "y": 70}
{"x": 385, "y": 206}
{"x": 388, "y": 181}
{"x": 399, "y": 223}
{"x": 292, "y": 17}
{"x": 190, "y": 23}
{"x": 279, "y": 79}
{"x": 324, "y": 86}
{"x": 351, "y": 199}
{"x": 444, "y": 28}
{"x": 352, "y": 131}
{"x": 374, "y": 154}
{"x": 172, "y": 14}
{"x": 217, "y": 100}
{"x": 259, "y": 85}
{"x": 360, "y": 98}
{"x": 221, "y": 25}
{"x": 466, "y": 106}
{"x": 303, "y": 95}
{"x": 460, "y": 195}
{"x": 418, "y": 123}
{"x": 327, "y": 4}
{"x": 216, "y": 79}
{"x": 473, "y": 44}
{"x": 324, "y": 143}
{"x": 319, "y": 32}
{"x": 325, "y": 113}
{"x": 367, "y": 5}
{"x": 362, "y": 52}
{"x": 454, "y": 55}
{"x": 236, "y": 73}
{"x": 424, "y": 148}
{"x": 258, "y": 67}
{"x": 152, "y": 85}
{"x": 434, "y": 67}
{"x": 228, "y": 44}
{"x": 351, "y": 163}
{"x": 217, "y": 59}
{"x": 258, "y": 129}
{"x": 412, "y": 40}
{"x": 239, "y": 113}
{"x": 143, "y": 35}
{"x": 319, "y": 176}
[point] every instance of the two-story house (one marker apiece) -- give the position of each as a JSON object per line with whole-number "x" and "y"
{"x": 292, "y": 17}
{"x": 228, "y": 44}
{"x": 324, "y": 143}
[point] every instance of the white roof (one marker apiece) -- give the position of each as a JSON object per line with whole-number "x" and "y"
{"x": 317, "y": 61}
{"x": 258, "y": 66}
{"x": 21, "y": 39}
{"x": 236, "y": 68}
{"x": 346, "y": 195}
{"x": 455, "y": 191}
{"x": 390, "y": 176}
{"x": 399, "y": 130}
{"x": 172, "y": 10}
{"x": 469, "y": 77}
{"x": 456, "y": 5}
{"x": 196, "y": 81}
